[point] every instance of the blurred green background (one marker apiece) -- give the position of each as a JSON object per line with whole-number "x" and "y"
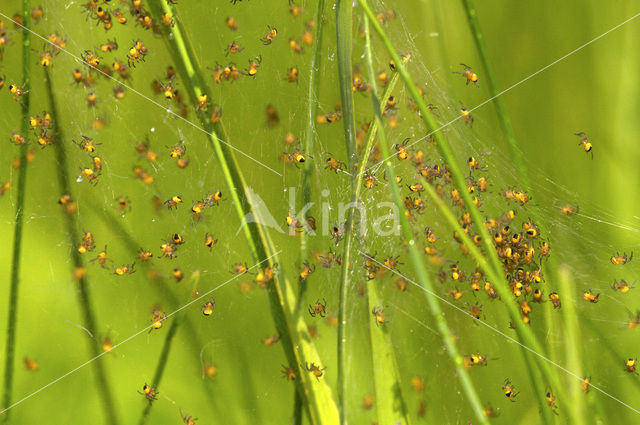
{"x": 593, "y": 90}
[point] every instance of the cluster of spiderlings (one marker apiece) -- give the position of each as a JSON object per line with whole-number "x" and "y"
{"x": 92, "y": 172}
{"x": 103, "y": 13}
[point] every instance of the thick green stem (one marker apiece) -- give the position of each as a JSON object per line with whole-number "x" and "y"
{"x": 344, "y": 26}
{"x": 344, "y": 29}
{"x": 84, "y": 296}
{"x": 17, "y": 233}
{"x": 390, "y": 403}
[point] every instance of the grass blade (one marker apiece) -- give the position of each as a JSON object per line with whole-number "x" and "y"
{"x": 572, "y": 346}
{"x": 344, "y": 27}
{"x": 17, "y": 233}
{"x": 416, "y": 259}
{"x": 102, "y": 384}
{"x": 389, "y": 400}
{"x": 295, "y": 338}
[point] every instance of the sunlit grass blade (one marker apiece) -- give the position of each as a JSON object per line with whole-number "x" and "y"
{"x": 103, "y": 386}
{"x": 12, "y": 317}
{"x": 390, "y": 403}
{"x": 295, "y": 338}
{"x": 416, "y": 258}
{"x": 525, "y": 334}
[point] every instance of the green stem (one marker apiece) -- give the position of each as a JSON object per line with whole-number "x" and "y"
{"x": 344, "y": 24}
{"x": 297, "y": 408}
{"x": 501, "y": 110}
{"x": 344, "y": 29}
{"x": 295, "y": 338}
{"x": 166, "y": 349}
{"x": 84, "y": 296}
{"x": 312, "y": 111}
{"x": 158, "y": 283}
{"x": 162, "y": 362}
{"x": 524, "y": 331}
{"x": 17, "y": 233}
{"x": 416, "y": 258}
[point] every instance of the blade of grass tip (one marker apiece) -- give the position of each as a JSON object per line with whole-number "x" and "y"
{"x": 344, "y": 27}
{"x": 297, "y": 344}
{"x": 573, "y": 344}
{"x": 17, "y": 230}
{"x": 166, "y": 349}
{"x": 516, "y": 156}
{"x": 312, "y": 111}
{"x": 416, "y": 259}
{"x": 116, "y": 226}
{"x": 490, "y": 273}
{"x": 389, "y": 400}
{"x": 84, "y": 297}
{"x": 524, "y": 332}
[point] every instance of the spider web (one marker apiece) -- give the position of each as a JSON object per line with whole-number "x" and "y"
{"x": 248, "y": 371}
